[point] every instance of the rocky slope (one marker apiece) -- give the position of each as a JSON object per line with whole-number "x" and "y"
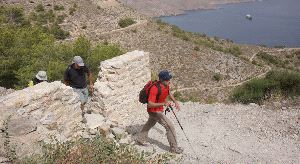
{"x": 155, "y": 8}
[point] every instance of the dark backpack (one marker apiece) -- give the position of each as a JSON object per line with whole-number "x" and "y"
{"x": 144, "y": 93}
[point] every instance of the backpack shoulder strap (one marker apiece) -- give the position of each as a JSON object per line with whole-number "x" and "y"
{"x": 159, "y": 90}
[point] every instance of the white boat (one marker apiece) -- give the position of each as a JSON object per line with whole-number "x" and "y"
{"x": 248, "y": 16}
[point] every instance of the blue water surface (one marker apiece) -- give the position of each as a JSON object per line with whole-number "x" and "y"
{"x": 274, "y": 23}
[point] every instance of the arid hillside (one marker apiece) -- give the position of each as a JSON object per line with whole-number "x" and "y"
{"x": 195, "y": 59}
{"x": 156, "y": 8}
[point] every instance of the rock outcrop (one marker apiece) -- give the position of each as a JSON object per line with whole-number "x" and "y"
{"x": 119, "y": 81}
{"x": 50, "y": 112}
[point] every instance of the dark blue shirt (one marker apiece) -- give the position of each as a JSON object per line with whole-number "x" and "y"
{"x": 76, "y": 77}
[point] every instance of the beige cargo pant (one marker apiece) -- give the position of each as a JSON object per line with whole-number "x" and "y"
{"x": 159, "y": 117}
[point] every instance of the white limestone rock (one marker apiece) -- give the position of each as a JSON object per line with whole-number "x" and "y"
{"x": 94, "y": 120}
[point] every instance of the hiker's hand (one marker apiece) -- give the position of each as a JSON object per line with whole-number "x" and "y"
{"x": 177, "y": 106}
{"x": 166, "y": 103}
{"x": 91, "y": 88}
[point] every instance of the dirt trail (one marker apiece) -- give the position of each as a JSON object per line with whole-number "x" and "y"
{"x": 229, "y": 133}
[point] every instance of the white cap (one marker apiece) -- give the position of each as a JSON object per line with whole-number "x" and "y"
{"x": 41, "y": 75}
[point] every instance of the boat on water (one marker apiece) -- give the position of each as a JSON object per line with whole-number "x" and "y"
{"x": 249, "y": 17}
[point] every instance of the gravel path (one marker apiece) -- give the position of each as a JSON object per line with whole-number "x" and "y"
{"x": 229, "y": 133}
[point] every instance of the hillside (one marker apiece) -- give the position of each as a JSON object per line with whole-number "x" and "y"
{"x": 205, "y": 70}
{"x": 157, "y": 8}
{"x": 194, "y": 58}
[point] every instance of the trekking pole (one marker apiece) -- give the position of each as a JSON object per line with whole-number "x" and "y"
{"x": 183, "y": 131}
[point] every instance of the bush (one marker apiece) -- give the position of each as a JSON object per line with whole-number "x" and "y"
{"x": 236, "y": 51}
{"x": 60, "y": 19}
{"x": 59, "y": 7}
{"x": 177, "y": 32}
{"x": 96, "y": 150}
{"x": 39, "y": 8}
{"x": 58, "y": 32}
{"x": 178, "y": 96}
{"x": 217, "y": 77}
{"x": 13, "y": 15}
{"x": 126, "y": 22}
{"x": 205, "y": 42}
{"x": 252, "y": 92}
{"x": 286, "y": 82}
{"x": 27, "y": 50}
{"x": 270, "y": 59}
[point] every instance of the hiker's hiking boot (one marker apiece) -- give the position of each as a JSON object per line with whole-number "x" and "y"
{"x": 177, "y": 150}
{"x": 83, "y": 118}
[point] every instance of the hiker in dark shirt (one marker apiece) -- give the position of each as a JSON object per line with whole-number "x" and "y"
{"x": 75, "y": 76}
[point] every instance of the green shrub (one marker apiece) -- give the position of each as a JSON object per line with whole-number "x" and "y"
{"x": 96, "y": 150}
{"x": 252, "y": 92}
{"x": 288, "y": 82}
{"x": 39, "y": 8}
{"x": 29, "y": 49}
{"x": 43, "y": 18}
{"x": 60, "y": 19}
{"x": 13, "y": 15}
{"x": 269, "y": 58}
{"x": 58, "y": 32}
{"x": 178, "y": 96}
{"x": 217, "y": 77}
{"x": 205, "y": 42}
{"x": 177, "y": 32}
{"x": 218, "y": 48}
{"x": 285, "y": 82}
{"x": 59, "y": 7}
{"x": 100, "y": 53}
{"x": 126, "y": 22}
{"x": 236, "y": 51}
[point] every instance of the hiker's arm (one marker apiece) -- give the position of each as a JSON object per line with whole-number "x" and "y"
{"x": 175, "y": 101}
{"x": 91, "y": 81}
{"x": 156, "y": 105}
{"x": 66, "y": 78}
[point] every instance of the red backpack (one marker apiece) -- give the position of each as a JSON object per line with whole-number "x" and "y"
{"x": 144, "y": 93}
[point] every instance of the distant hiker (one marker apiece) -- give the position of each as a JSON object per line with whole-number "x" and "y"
{"x": 41, "y": 76}
{"x": 155, "y": 110}
{"x": 76, "y": 78}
